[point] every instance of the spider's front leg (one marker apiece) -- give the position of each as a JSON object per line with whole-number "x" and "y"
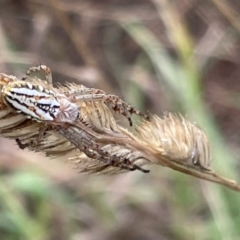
{"x": 122, "y": 107}
{"x": 86, "y": 143}
{"x": 117, "y": 104}
{"x": 132, "y": 167}
{"x": 112, "y": 159}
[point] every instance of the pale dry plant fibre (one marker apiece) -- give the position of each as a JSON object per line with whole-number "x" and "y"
{"x": 172, "y": 141}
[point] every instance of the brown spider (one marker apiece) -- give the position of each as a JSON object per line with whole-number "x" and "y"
{"x": 43, "y": 103}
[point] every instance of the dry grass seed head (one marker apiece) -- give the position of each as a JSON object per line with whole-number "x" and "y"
{"x": 177, "y": 139}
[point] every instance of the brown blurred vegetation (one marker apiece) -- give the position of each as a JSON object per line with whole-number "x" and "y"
{"x": 106, "y": 44}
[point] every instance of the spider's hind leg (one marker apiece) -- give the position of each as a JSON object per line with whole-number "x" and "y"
{"x": 41, "y": 68}
{"x": 35, "y": 142}
{"x": 22, "y": 145}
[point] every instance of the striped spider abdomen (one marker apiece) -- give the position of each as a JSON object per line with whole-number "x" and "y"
{"x": 39, "y": 103}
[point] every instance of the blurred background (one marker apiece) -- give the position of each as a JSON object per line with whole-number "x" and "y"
{"x": 158, "y": 55}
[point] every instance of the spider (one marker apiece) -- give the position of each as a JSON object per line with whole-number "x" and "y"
{"x": 82, "y": 93}
{"x": 43, "y": 103}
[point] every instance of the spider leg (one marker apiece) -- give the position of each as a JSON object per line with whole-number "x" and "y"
{"x": 47, "y": 71}
{"x": 86, "y": 143}
{"x": 114, "y": 102}
{"x": 131, "y": 166}
{"x": 35, "y": 142}
{"x": 22, "y": 145}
